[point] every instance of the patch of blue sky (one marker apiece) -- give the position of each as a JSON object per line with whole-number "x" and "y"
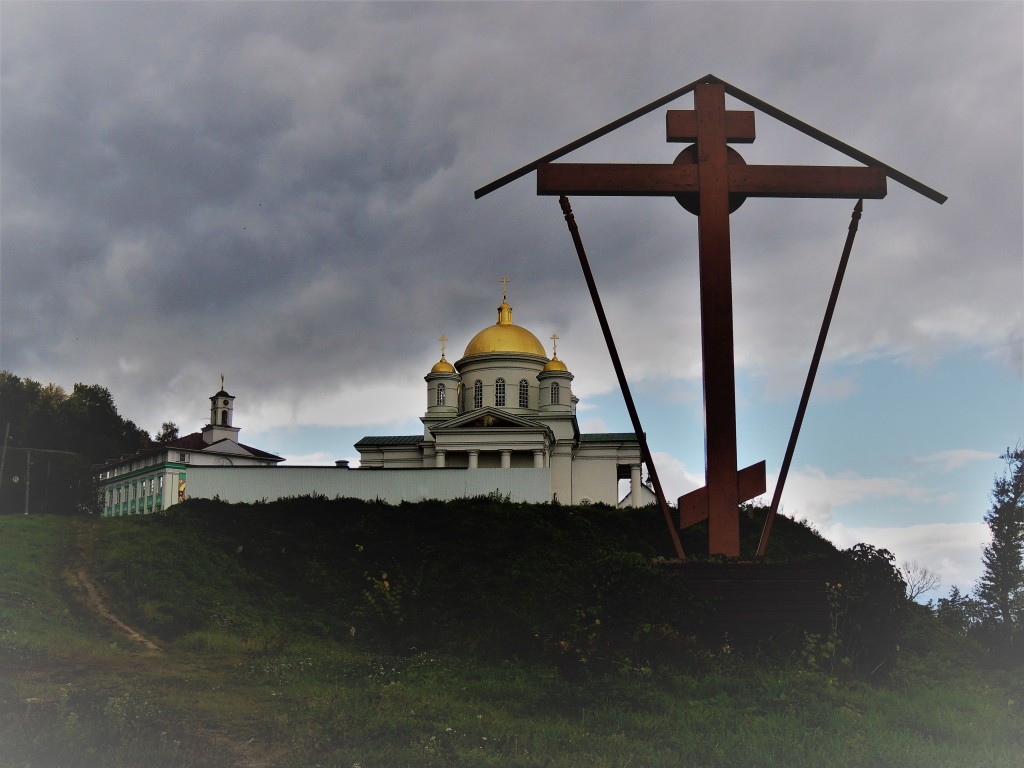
{"x": 902, "y": 444}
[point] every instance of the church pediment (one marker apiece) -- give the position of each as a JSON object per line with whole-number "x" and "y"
{"x": 229, "y": 447}
{"x": 487, "y": 418}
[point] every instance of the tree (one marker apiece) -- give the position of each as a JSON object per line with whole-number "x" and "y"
{"x": 45, "y": 426}
{"x": 919, "y": 579}
{"x": 1001, "y": 586}
{"x": 168, "y": 432}
{"x": 961, "y": 613}
{"x": 94, "y": 427}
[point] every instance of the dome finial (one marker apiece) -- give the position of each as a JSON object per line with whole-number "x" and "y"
{"x": 505, "y": 310}
{"x": 442, "y": 365}
{"x": 554, "y": 364}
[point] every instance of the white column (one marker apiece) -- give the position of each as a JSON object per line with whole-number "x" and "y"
{"x": 474, "y": 459}
{"x": 538, "y": 459}
{"x": 439, "y": 458}
{"x": 634, "y": 484}
{"x": 506, "y": 459}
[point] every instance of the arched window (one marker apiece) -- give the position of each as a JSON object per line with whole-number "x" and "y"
{"x": 499, "y": 392}
{"x": 554, "y": 393}
{"x": 478, "y": 394}
{"x": 524, "y": 394}
{"x": 223, "y": 418}
{"x": 440, "y": 394}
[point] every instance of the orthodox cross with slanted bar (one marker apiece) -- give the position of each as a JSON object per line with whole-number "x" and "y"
{"x": 711, "y": 180}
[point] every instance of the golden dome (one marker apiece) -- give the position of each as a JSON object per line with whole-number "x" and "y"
{"x": 504, "y": 336}
{"x": 443, "y": 366}
{"x": 554, "y": 364}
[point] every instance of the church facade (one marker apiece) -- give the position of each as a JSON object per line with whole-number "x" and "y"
{"x": 501, "y": 419}
{"x": 505, "y": 404}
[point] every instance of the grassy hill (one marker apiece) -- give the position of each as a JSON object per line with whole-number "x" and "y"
{"x": 341, "y": 633}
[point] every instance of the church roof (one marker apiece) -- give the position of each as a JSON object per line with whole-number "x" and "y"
{"x": 504, "y": 336}
{"x": 193, "y": 442}
{"x": 443, "y": 366}
{"x": 390, "y": 440}
{"x": 607, "y": 437}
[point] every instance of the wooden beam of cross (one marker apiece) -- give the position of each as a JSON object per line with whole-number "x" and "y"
{"x": 711, "y": 180}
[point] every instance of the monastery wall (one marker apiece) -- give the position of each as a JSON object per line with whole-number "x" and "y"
{"x": 253, "y": 484}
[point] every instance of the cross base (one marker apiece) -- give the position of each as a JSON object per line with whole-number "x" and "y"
{"x": 693, "y": 507}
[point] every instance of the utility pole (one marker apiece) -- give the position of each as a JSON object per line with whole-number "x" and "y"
{"x": 3, "y": 453}
{"x": 28, "y": 472}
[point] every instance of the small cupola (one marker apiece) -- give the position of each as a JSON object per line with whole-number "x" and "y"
{"x": 442, "y": 365}
{"x": 554, "y": 364}
{"x": 442, "y": 386}
{"x": 556, "y": 384}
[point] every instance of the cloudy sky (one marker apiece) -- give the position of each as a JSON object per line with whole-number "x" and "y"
{"x": 283, "y": 193}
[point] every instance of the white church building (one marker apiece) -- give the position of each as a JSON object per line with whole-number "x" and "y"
{"x": 500, "y": 420}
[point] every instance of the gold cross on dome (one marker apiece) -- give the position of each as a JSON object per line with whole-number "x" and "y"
{"x": 554, "y": 345}
{"x": 442, "y": 339}
{"x": 504, "y": 288}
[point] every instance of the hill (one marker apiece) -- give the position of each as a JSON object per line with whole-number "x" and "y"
{"x": 314, "y": 631}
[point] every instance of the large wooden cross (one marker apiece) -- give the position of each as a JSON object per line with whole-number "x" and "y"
{"x": 712, "y": 180}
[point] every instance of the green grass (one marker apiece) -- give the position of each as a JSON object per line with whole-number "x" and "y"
{"x": 281, "y": 646}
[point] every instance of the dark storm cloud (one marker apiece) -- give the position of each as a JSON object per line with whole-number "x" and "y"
{"x": 284, "y": 191}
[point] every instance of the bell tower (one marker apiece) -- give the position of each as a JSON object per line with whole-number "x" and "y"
{"x": 221, "y": 414}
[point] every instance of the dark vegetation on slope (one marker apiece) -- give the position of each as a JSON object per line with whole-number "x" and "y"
{"x": 577, "y": 587}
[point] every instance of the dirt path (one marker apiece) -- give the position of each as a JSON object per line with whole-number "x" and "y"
{"x": 78, "y": 578}
{"x": 243, "y": 753}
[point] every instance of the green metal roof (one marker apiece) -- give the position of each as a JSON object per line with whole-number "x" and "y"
{"x": 607, "y": 437}
{"x": 390, "y": 440}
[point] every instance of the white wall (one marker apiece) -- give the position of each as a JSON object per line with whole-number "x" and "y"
{"x": 251, "y": 484}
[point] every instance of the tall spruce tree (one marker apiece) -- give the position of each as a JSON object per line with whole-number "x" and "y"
{"x": 1001, "y": 587}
